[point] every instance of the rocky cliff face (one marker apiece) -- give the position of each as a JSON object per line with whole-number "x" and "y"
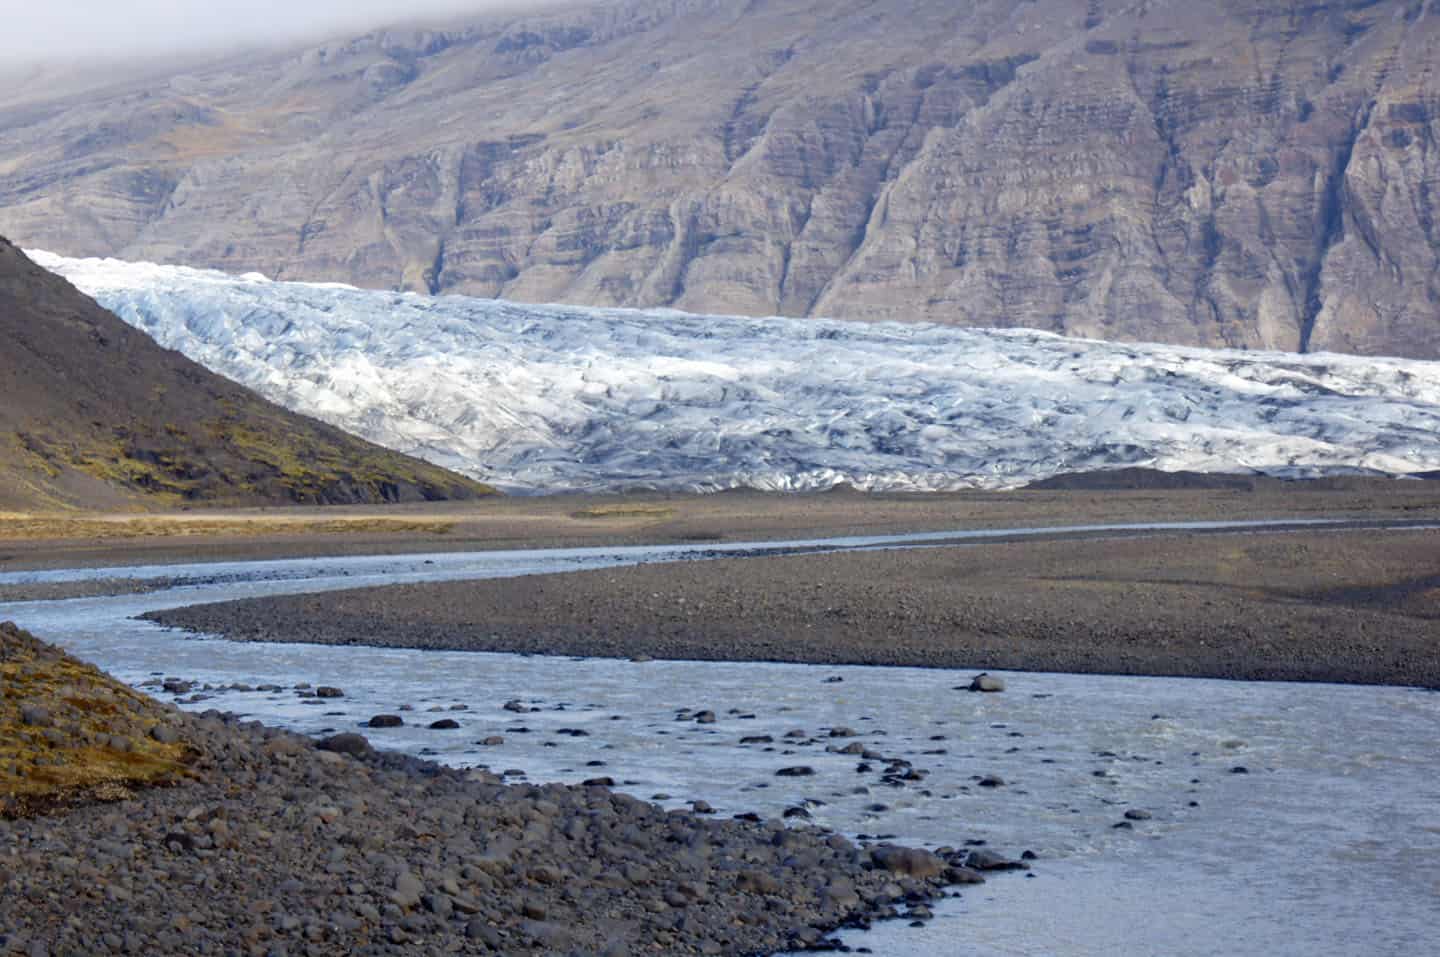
{"x": 1232, "y": 173}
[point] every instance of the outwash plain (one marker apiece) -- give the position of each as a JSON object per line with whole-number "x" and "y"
{"x": 281, "y": 846}
{"x": 1321, "y": 604}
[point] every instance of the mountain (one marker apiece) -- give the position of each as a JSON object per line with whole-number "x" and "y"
{"x": 1237, "y": 173}
{"x": 553, "y": 398}
{"x": 93, "y": 413}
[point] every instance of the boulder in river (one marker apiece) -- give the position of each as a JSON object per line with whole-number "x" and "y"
{"x": 986, "y": 682}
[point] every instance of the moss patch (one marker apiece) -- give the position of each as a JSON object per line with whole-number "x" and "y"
{"x": 69, "y": 733}
{"x": 624, "y": 511}
{"x": 22, "y": 526}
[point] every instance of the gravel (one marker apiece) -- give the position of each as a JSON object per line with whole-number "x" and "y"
{"x": 271, "y": 844}
{"x": 1337, "y": 606}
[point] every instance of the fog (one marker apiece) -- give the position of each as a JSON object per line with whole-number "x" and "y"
{"x": 61, "y": 31}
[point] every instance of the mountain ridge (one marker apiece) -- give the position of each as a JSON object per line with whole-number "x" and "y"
{"x": 95, "y": 414}
{"x": 1235, "y": 174}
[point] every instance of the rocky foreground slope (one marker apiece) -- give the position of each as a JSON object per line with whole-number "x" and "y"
{"x": 94, "y": 413}
{"x": 1236, "y": 173}
{"x": 265, "y": 843}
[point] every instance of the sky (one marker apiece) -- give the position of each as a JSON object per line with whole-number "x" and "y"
{"x": 45, "y": 31}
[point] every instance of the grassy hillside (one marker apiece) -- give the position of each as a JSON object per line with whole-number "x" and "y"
{"x": 95, "y": 414}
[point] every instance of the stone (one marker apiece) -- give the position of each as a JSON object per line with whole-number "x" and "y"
{"x": 482, "y": 931}
{"x": 35, "y": 716}
{"x": 444, "y": 724}
{"x": 438, "y": 904}
{"x": 407, "y": 890}
{"x": 164, "y": 734}
{"x": 964, "y": 875}
{"x": 325, "y": 691}
{"x": 981, "y": 859}
{"x": 797, "y": 771}
{"x": 909, "y": 861}
{"x": 385, "y": 721}
{"x": 756, "y": 882}
{"x": 546, "y": 874}
{"x": 349, "y": 743}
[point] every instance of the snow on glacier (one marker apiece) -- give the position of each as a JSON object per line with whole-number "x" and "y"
{"x": 565, "y": 398}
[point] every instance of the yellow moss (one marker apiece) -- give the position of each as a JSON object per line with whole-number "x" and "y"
{"x": 34, "y": 453}
{"x": 31, "y": 526}
{"x": 625, "y": 511}
{"x": 89, "y": 710}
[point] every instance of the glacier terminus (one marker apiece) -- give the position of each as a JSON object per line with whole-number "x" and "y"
{"x": 567, "y": 398}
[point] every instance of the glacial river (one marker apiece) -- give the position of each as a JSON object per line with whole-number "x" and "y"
{"x": 1286, "y": 819}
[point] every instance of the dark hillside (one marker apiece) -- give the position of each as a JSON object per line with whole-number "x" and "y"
{"x": 95, "y": 414}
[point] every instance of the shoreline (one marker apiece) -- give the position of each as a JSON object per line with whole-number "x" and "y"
{"x": 333, "y": 847}
{"x": 1353, "y": 607}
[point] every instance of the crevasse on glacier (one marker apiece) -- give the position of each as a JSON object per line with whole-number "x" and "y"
{"x": 555, "y": 398}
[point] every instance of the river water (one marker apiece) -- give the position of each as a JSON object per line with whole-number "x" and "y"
{"x": 1327, "y": 840}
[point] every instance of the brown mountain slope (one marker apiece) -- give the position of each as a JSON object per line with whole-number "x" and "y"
{"x": 93, "y": 413}
{"x": 1234, "y": 173}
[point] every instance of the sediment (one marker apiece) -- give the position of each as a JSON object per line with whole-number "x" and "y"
{"x": 1333, "y": 606}
{"x": 262, "y": 841}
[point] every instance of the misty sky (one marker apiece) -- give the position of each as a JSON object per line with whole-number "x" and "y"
{"x": 49, "y": 30}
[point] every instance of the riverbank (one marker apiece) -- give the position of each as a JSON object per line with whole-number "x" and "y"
{"x": 260, "y": 841}
{"x": 63, "y": 540}
{"x": 1353, "y": 606}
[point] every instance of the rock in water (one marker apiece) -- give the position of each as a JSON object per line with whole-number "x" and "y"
{"x": 910, "y": 861}
{"x": 986, "y": 682}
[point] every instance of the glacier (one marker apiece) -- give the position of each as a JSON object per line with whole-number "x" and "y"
{"x": 564, "y": 398}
